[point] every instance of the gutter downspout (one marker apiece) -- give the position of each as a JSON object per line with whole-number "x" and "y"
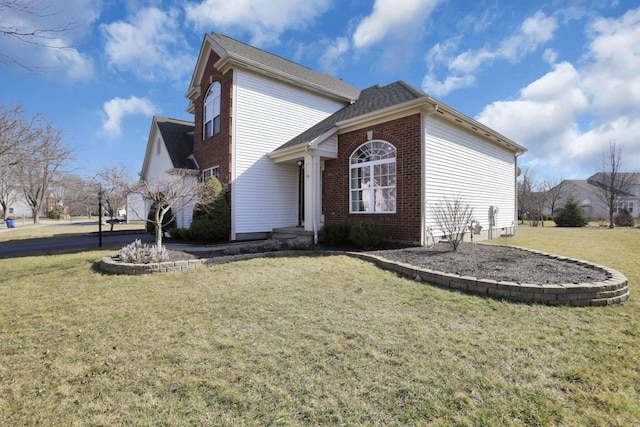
{"x": 423, "y": 176}
{"x": 516, "y": 174}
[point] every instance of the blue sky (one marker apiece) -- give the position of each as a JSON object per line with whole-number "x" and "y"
{"x": 561, "y": 77}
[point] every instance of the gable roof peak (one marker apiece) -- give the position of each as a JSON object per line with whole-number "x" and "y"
{"x": 234, "y": 53}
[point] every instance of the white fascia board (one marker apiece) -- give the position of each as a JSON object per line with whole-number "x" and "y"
{"x": 289, "y": 153}
{"x": 147, "y": 154}
{"x": 230, "y": 61}
{"x": 456, "y": 116}
{"x": 181, "y": 171}
{"x": 298, "y": 150}
{"x": 385, "y": 114}
{"x": 208, "y": 44}
{"x": 320, "y": 139}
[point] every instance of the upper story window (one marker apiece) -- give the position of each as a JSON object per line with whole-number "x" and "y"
{"x": 212, "y": 111}
{"x": 208, "y": 173}
{"x": 372, "y": 184}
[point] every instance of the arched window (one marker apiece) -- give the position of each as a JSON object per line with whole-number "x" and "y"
{"x": 212, "y": 111}
{"x": 372, "y": 184}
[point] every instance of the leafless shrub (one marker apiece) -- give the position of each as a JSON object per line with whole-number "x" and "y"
{"x": 453, "y": 216}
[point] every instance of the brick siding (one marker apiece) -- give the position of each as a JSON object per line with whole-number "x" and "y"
{"x": 405, "y": 135}
{"x": 215, "y": 150}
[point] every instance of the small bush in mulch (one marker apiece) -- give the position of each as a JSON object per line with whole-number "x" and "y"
{"x": 366, "y": 234}
{"x": 624, "y": 218}
{"x": 335, "y": 234}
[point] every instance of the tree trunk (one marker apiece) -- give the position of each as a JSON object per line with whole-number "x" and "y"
{"x": 159, "y": 236}
{"x": 159, "y": 218}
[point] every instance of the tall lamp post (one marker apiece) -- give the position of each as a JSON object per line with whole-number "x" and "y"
{"x": 100, "y": 218}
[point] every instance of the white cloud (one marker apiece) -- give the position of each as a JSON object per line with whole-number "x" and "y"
{"x": 612, "y": 75}
{"x": 389, "y": 19}
{"x": 435, "y": 87}
{"x": 264, "y": 20}
{"x": 548, "y": 106}
{"x": 567, "y": 117}
{"x": 60, "y": 26}
{"x": 332, "y": 55}
{"x": 533, "y": 33}
{"x": 118, "y": 108}
{"x": 149, "y": 44}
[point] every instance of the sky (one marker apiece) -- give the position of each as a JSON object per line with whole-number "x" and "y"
{"x": 559, "y": 77}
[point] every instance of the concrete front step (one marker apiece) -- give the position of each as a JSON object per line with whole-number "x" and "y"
{"x": 286, "y": 233}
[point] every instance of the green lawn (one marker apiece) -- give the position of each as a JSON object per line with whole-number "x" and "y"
{"x": 312, "y": 341}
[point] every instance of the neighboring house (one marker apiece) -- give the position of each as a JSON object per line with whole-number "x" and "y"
{"x": 585, "y": 192}
{"x": 169, "y": 150}
{"x": 18, "y": 209}
{"x": 300, "y": 148}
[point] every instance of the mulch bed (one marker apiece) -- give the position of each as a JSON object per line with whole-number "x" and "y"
{"x": 495, "y": 262}
{"x": 477, "y": 260}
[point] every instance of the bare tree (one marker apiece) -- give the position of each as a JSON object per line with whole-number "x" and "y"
{"x": 453, "y": 217}
{"x": 555, "y": 189}
{"x": 526, "y": 190}
{"x": 613, "y": 184}
{"x": 15, "y": 133}
{"x": 46, "y": 156}
{"x": 75, "y": 193}
{"x": 9, "y": 188}
{"x": 28, "y": 25}
{"x": 114, "y": 182}
{"x": 174, "y": 193}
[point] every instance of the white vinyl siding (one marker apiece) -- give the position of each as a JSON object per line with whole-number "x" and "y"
{"x": 460, "y": 163}
{"x": 268, "y": 113}
{"x": 157, "y": 171}
{"x": 158, "y": 164}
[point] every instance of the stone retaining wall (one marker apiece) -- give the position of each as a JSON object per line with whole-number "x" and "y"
{"x": 613, "y": 290}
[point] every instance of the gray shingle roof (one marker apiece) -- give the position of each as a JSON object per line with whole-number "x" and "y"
{"x": 178, "y": 138}
{"x": 372, "y": 99}
{"x": 285, "y": 67}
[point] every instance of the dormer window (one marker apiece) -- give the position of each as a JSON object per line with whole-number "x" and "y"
{"x": 212, "y": 111}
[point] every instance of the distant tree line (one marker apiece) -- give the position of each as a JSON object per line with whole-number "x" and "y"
{"x": 545, "y": 199}
{"x": 35, "y": 170}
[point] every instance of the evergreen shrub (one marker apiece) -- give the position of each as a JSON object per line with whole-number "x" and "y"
{"x": 335, "y": 234}
{"x": 366, "y": 234}
{"x": 212, "y": 222}
{"x": 570, "y": 215}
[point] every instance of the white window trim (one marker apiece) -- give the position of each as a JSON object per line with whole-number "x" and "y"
{"x": 208, "y": 173}
{"x": 371, "y": 165}
{"x": 212, "y": 102}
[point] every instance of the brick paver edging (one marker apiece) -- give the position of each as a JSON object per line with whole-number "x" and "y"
{"x": 613, "y": 290}
{"x": 109, "y": 265}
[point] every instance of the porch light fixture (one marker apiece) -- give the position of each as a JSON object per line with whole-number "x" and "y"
{"x": 300, "y": 163}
